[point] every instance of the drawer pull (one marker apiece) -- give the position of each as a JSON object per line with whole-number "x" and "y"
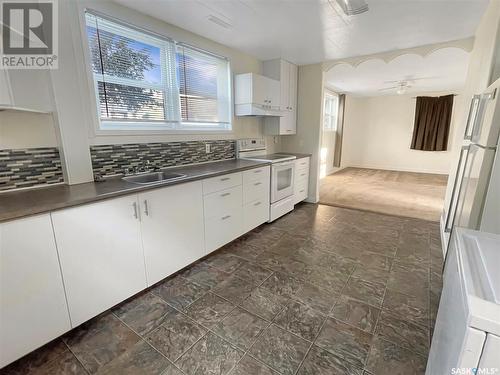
{"x": 225, "y": 217}
{"x": 301, "y": 191}
{"x": 257, "y": 171}
{"x": 303, "y": 174}
{"x": 257, "y": 203}
{"x": 225, "y": 194}
{"x": 258, "y": 183}
{"x": 225, "y": 179}
{"x": 136, "y": 211}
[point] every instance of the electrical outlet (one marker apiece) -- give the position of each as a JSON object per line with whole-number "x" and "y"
{"x": 208, "y": 148}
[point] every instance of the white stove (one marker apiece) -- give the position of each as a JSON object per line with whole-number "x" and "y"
{"x": 282, "y": 174}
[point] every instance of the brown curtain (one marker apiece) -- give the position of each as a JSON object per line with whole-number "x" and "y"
{"x": 337, "y": 151}
{"x": 432, "y": 123}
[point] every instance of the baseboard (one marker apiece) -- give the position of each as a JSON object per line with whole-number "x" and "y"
{"x": 396, "y": 169}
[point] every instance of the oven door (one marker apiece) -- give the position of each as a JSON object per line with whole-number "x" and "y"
{"x": 282, "y": 175}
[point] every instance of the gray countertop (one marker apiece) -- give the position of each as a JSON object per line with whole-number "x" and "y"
{"x": 21, "y": 203}
{"x": 297, "y": 155}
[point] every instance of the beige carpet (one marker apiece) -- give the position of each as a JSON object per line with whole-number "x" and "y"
{"x": 417, "y": 195}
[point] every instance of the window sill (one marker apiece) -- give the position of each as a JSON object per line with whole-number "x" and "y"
{"x": 127, "y": 129}
{"x": 146, "y": 132}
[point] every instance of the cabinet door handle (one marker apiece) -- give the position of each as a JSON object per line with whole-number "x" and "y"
{"x": 257, "y": 203}
{"x": 136, "y": 211}
{"x": 301, "y": 191}
{"x": 225, "y": 194}
{"x": 303, "y": 174}
{"x": 146, "y": 208}
{"x": 225, "y": 179}
{"x": 225, "y": 217}
{"x": 258, "y": 183}
{"x": 257, "y": 171}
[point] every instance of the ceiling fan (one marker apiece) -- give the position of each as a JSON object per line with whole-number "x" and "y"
{"x": 403, "y": 85}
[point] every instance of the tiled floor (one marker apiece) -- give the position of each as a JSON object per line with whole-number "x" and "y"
{"x": 323, "y": 290}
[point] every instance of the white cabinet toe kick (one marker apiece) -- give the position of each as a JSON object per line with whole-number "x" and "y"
{"x": 78, "y": 262}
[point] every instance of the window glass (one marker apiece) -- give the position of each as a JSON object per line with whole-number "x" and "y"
{"x": 330, "y": 111}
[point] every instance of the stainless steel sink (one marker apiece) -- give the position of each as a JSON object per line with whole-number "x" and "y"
{"x": 153, "y": 177}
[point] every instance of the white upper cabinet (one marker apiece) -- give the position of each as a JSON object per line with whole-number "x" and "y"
{"x": 101, "y": 255}
{"x": 172, "y": 228}
{"x": 256, "y": 95}
{"x": 32, "y": 303}
{"x": 26, "y": 90}
{"x": 287, "y": 74}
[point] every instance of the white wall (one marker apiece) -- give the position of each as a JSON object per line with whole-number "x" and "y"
{"x": 309, "y": 117}
{"x": 26, "y": 130}
{"x": 378, "y": 131}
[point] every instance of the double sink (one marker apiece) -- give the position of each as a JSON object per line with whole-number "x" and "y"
{"x": 153, "y": 177}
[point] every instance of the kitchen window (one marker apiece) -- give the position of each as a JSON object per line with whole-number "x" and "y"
{"x": 146, "y": 82}
{"x": 330, "y": 112}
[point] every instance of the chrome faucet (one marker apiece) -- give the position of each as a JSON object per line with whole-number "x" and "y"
{"x": 143, "y": 167}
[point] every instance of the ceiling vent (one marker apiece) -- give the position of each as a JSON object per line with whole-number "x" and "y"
{"x": 219, "y": 21}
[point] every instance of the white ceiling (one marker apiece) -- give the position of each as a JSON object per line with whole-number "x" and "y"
{"x": 309, "y": 31}
{"x": 442, "y": 70}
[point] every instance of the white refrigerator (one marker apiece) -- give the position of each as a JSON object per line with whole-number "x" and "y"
{"x": 475, "y": 199}
{"x": 466, "y": 337}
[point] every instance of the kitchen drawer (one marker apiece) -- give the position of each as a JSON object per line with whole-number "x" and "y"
{"x": 301, "y": 175}
{"x": 218, "y": 203}
{"x": 301, "y": 190}
{"x": 218, "y": 183}
{"x": 256, "y": 174}
{"x": 302, "y": 164}
{"x": 256, "y": 190}
{"x": 281, "y": 207}
{"x": 222, "y": 229}
{"x": 255, "y": 213}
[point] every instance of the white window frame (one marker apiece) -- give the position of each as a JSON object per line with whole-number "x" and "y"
{"x": 177, "y": 126}
{"x": 328, "y": 115}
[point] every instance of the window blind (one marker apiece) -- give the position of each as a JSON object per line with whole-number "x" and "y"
{"x": 203, "y": 87}
{"x": 134, "y": 73}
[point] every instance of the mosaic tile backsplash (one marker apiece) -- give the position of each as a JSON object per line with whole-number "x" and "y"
{"x": 29, "y": 167}
{"x": 109, "y": 160}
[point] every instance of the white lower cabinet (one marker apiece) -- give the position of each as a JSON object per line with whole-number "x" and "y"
{"x": 101, "y": 256}
{"x": 301, "y": 182}
{"x": 221, "y": 229}
{"x": 222, "y": 211}
{"x": 33, "y": 308}
{"x": 255, "y": 214}
{"x": 256, "y": 192}
{"x": 172, "y": 228}
{"x": 61, "y": 269}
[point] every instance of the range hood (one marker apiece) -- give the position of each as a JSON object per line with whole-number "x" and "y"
{"x": 252, "y": 109}
{"x": 256, "y": 95}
